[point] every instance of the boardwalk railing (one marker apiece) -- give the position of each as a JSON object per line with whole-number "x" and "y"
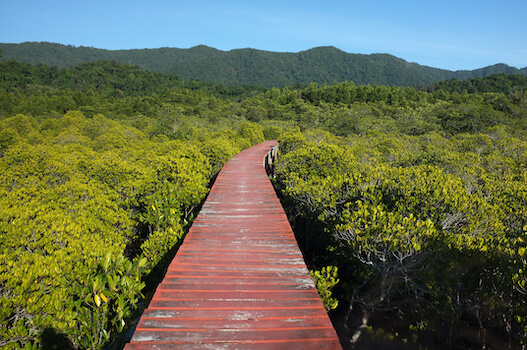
{"x": 270, "y": 158}
{"x": 239, "y": 280}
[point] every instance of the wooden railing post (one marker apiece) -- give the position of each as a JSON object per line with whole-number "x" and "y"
{"x": 269, "y": 160}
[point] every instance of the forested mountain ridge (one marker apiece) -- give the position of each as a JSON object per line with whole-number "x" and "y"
{"x": 254, "y": 67}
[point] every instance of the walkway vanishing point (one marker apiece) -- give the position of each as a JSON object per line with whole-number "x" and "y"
{"x": 239, "y": 280}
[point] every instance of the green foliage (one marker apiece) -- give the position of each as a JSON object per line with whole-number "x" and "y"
{"x": 423, "y": 226}
{"x": 160, "y": 242}
{"x": 165, "y": 105}
{"x": 418, "y": 198}
{"x": 495, "y": 83}
{"x": 107, "y": 77}
{"x": 105, "y": 298}
{"x": 272, "y": 132}
{"x": 325, "y": 280}
{"x": 519, "y": 280}
{"x": 218, "y": 151}
{"x": 252, "y": 133}
{"x": 253, "y": 67}
{"x": 88, "y": 207}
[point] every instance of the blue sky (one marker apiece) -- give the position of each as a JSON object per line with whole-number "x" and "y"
{"x": 455, "y": 35}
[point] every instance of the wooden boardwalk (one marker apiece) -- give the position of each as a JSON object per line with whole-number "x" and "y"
{"x": 239, "y": 280}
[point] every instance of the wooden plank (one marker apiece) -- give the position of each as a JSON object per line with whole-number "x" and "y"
{"x": 239, "y": 280}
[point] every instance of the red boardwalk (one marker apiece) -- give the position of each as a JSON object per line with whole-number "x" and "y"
{"x": 239, "y": 280}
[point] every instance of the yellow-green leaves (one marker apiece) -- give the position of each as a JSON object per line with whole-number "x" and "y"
{"x": 141, "y": 262}
{"x": 103, "y": 297}
{"x": 414, "y": 223}
{"x": 74, "y": 193}
{"x": 325, "y": 280}
{"x": 97, "y": 299}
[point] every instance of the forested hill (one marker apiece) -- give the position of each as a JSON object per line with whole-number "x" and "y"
{"x": 254, "y": 67}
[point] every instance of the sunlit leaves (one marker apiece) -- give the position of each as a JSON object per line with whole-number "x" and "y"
{"x": 421, "y": 223}
{"x": 76, "y": 195}
{"x": 325, "y": 280}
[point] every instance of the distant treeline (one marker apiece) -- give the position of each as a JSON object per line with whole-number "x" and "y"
{"x": 254, "y": 67}
{"x": 123, "y": 91}
{"x": 507, "y": 84}
{"x": 111, "y": 77}
{"x": 107, "y": 77}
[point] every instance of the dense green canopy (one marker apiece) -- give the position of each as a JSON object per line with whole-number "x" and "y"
{"x": 409, "y": 204}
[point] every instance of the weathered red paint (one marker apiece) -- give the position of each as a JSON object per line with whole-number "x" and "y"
{"x": 239, "y": 280}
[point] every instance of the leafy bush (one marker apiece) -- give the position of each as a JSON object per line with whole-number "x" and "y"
{"x": 424, "y": 227}
{"x": 87, "y": 208}
{"x": 325, "y": 280}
